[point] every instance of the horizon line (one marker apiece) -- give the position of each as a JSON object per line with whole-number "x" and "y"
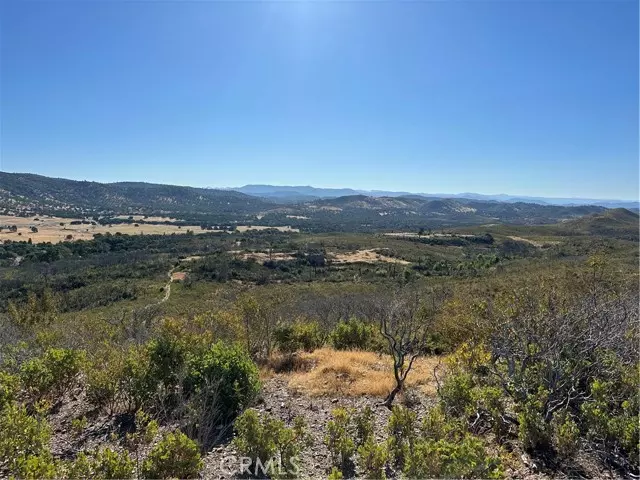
{"x": 636, "y": 200}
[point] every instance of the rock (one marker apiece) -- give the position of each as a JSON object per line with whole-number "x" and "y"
{"x": 334, "y": 400}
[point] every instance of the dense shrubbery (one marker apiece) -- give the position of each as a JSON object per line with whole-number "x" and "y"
{"x": 354, "y": 334}
{"x": 305, "y": 336}
{"x": 24, "y": 441}
{"x": 53, "y": 374}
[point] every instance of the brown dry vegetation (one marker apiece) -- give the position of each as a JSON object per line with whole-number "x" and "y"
{"x": 365, "y": 256}
{"x": 50, "y": 230}
{"x": 353, "y": 373}
{"x": 245, "y": 228}
{"x": 262, "y": 256}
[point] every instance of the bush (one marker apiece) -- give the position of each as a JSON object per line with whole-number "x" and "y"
{"x": 37, "y": 466}
{"x": 299, "y": 336}
{"x": 372, "y": 459}
{"x": 103, "y": 381}
{"x": 436, "y": 426}
{"x": 364, "y": 425}
{"x": 338, "y": 439}
{"x": 456, "y": 392}
{"x": 566, "y": 435}
{"x": 53, "y": 374}
{"x": 176, "y": 456}
{"x": 232, "y": 370}
{"x": 353, "y": 334}
{"x": 401, "y": 433}
{"x": 105, "y": 464}
{"x": 22, "y": 437}
{"x": 335, "y": 474}
{"x": 533, "y": 431}
{"x": 464, "y": 458}
{"x": 9, "y": 386}
{"x": 270, "y": 445}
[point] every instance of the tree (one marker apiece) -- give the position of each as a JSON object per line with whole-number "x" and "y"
{"x": 404, "y": 324}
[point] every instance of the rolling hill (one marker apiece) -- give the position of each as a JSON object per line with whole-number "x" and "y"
{"x": 26, "y": 194}
{"x": 618, "y": 223}
{"x": 20, "y": 192}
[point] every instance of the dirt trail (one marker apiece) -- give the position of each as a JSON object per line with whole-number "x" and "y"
{"x": 167, "y": 291}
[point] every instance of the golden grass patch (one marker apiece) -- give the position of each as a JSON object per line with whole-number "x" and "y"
{"x": 58, "y": 229}
{"x": 366, "y": 256}
{"x": 355, "y": 373}
{"x": 246, "y": 228}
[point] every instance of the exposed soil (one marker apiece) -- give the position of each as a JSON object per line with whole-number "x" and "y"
{"x": 365, "y": 256}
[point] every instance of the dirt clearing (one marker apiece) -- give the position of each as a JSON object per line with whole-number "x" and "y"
{"x": 366, "y": 256}
{"x": 246, "y": 228}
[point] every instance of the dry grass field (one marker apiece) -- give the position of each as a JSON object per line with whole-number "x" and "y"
{"x": 138, "y": 218}
{"x": 246, "y": 228}
{"x": 57, "y": 229}
{"x": 354, "y": 373}
{"x": 365, "y": 256}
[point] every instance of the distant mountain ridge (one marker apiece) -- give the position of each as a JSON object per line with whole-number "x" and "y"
{"x": 307, "y": 192}
{"x": 29, "y": 194}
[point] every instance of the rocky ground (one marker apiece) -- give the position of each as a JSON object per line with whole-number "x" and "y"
{"x": 285, "y": 404}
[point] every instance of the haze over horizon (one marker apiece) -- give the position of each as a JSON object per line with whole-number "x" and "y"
{"x": 534, "y": 99}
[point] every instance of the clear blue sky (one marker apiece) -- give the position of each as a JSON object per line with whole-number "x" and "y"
{"x": 521, "y": 97}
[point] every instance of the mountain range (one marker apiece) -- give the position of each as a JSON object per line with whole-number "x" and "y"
{"x": 306, "y": 193}
{"x": 305, "y": 208}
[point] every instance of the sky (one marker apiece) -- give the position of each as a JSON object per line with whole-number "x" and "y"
{"x": 521, "y": 97}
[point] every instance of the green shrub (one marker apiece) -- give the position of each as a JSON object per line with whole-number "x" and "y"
{"x": 9, "y": 387}
{"x": 107, "y": 464}
{"x": 52, "y": 374}
{"x": 463, "y": 458}
{"x": 353, "y": 334}
{"x": 401, "y": 433}
{"x": 103, "y": 382}
{"x": 372, "y": 459}
{"x": 254, "y": 438}
{"x": 167, "y": 357}
{"x": 38, "y": 466}
{"x": 78, "y": 425}
{"x": 335, "y": 474}
{"x": 455, "y": 392}
{"x": 145, "y": 432}
{"x": 363, "y": 422}
{"x": 489, "y": 401}
{"x": 612, "y": 423}
{"x": 533, "y": 431}
{"x": 233, "y": 372}
{"x": 436, "y": 426}
{"x": 24, "y": 441}
{"x": 566, "y": 435}
{"x": 298, "y": 336}
{"x": 338, "y": 439}
{"x": 176, "y": 456}
{"x": 271, "y": 446}
{"x": 136, "y": 385}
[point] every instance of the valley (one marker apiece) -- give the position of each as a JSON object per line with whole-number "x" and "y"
{"x": 147, "y": 333}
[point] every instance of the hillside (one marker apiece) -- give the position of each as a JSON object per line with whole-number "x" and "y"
{"x": 26, "y": 194}
{"x": 20, "y": 192}
{"x": 617, "y": 223}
